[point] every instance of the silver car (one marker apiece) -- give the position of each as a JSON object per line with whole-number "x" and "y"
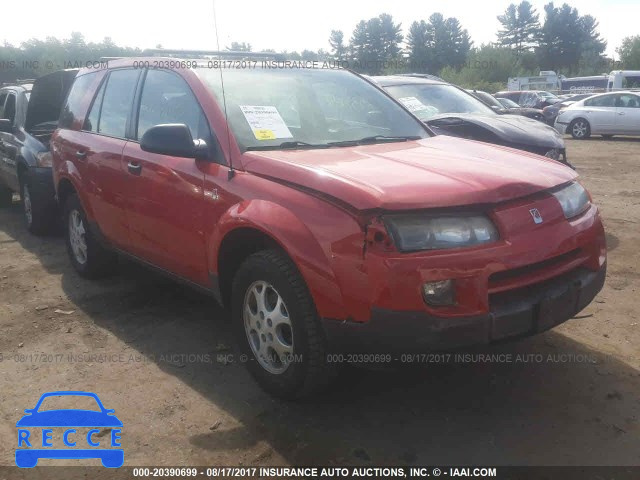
{"x": 607, "y": 114}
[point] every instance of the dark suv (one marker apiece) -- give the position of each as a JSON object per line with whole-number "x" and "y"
{"x": 28, "y": 116}
{"x": 321, "y": 211}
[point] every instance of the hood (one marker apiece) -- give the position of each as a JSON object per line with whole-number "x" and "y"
{"x": 435, "y": 172}
{"x": 511, "y": 129}
{"x": 47, "y": 96}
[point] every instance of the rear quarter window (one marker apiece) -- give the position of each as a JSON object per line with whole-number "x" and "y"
{"x": 71, "y": 111}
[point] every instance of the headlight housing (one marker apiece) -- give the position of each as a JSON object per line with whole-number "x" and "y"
{"x": 414, "y": 232}
{"x": 573, "y": 198}
{"x": 44, "y": 159}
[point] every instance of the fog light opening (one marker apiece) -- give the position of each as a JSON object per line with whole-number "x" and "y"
{"x": 439, "y": 293}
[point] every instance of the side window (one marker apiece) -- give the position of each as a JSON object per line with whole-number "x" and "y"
{"x": 166, "y": 98}
{"x": 603, "y": 101}
{"x": 91, "y": 122}
{"x": 627, "y": 101}
{"x": 71, "y": 110}
{"x": 117, "y": 101}
{"x": 3, "y": 98}
{"x": 9, "y": 111}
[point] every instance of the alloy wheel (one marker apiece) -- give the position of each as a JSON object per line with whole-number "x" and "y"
{"x": 268, "y": 327}
{"x": 77, "y": 238}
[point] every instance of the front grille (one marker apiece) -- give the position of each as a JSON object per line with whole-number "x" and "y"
{"x": 535, "y": 272}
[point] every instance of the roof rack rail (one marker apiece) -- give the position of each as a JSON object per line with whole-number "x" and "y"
{"x": 422, "y": 75}
{"x": 162, "y": 52}
{"x": 19, "y": 81}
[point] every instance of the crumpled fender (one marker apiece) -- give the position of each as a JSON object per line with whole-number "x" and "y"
{"x": 295, "y": 238}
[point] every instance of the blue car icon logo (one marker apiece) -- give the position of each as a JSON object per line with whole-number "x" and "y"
{"x": 32, "y": 446}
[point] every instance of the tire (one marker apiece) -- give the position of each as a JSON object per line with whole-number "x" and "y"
{"x": 271, "y": 275}
{"x": 39, "y": 218}
{"x": 6, "y": 196}
{"x": 580, "y": 129}
{"x": 89, "y": 258}
{"x": 607, "y": 137}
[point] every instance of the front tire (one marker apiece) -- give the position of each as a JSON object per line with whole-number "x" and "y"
{"x": 89, "y": 258}
{"x": 277, "y": 327}
{"x": 580, "y": 129}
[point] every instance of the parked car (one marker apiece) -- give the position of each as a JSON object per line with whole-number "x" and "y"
{"x": 506, "y": 106}
{"x": 530, "y": 98}
{"x": 321, "y": 212}
{"x": 28, "y": 116}
{"x": 450, "y": 110}
{"x": 551, "y": 112}
{"x": 607, "y": 114}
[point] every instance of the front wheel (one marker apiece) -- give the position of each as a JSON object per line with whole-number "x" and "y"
{"x": 38, "y": 216}
{"x": 277, "y": 327}
{"x": 580, "y": 129}
{"x": 88, "y": 256}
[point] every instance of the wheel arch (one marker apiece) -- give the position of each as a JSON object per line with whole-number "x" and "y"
{"x": 258, "y": 225}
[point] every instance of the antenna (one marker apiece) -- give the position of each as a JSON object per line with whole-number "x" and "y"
{"x": 224, "y": 96}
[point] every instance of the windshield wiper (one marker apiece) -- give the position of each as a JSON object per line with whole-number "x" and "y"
{"x": 291, "y": 145}
{"x": 373, "y": 139}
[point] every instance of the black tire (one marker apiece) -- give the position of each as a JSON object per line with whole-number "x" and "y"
{"x": 39, "y": 216}
{"x": 98, "y": 261}
{"x": 607, "y": 137}
{"x": 575, "y": 130}
{"x": 308, "y": 372}
{"x": 6, "y": 196}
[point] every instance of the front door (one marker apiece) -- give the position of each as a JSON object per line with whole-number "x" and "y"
{"x": 165, "y": 194}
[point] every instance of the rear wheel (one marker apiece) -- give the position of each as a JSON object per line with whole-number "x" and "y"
{"x": 39, "y": 217}
{"x": 88, "y": 256}
{"x": 580, "y": 129}
{"x": 6, "y": 196}
{"x": 277, "y": 327}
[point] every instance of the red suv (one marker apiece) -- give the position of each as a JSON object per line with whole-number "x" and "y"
{"x": 324, "y": 214}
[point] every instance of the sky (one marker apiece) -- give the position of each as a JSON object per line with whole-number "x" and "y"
{"x": 282, "y": 24}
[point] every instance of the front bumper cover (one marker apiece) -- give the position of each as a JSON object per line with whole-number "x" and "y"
{"x": 512, "y": 314}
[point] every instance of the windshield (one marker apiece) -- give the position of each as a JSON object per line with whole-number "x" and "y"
{"x": 508, "y": 103}
{"x": 428, "y": 100}
{"x": 486, "y": 98}
{"x": 308, "y": 108}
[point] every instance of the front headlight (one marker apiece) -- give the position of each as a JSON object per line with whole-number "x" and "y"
{"x": 44, "y": 159}
{"x": 414, "y": 232}
{"x": 573, "y": 199}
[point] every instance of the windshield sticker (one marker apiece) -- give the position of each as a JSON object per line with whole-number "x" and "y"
{"x": 412, "y": 104}
{"x": 266, "y": 122}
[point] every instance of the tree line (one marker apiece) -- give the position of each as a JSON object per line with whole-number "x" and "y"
{"x": 559, "y": 39}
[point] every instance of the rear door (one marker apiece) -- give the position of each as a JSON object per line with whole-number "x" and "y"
{"x": 165, "y": 194}
{"x": 107, "y": 123}
{"x": 627, "y": 114}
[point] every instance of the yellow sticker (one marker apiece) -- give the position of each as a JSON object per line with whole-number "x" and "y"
{"x": 264, "y": 134}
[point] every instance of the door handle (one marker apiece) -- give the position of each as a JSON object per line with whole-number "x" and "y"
{"x": 134, "y": 169}
{"x": 81, "y": 155}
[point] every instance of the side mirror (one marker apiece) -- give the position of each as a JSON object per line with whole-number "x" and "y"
{"x": 6, "y": 125}
{"x": 173, "y": 139}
